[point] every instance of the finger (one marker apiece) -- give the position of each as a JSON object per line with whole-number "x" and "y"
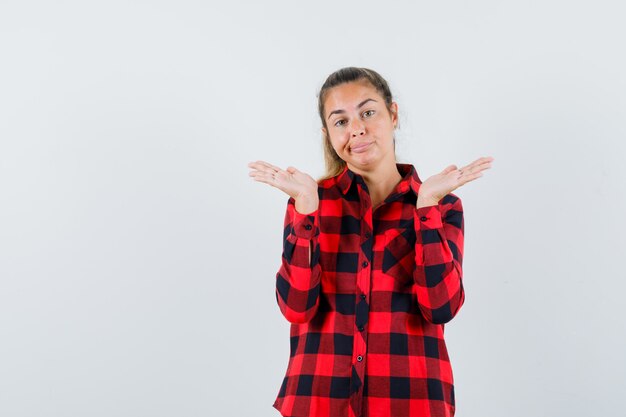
{"x": 270, "y": 166}
{"x": 257, "y": 166}
{"x": 449, "y": 168}
{"x": 274, "y": 177}
{"x": 468, "y": 167}
{"x": 265, "y": 173}
{"x": 263, "y": 166}
{"x": 480, "y": 163}
{"x": 465, "y": 178}
{"x": 482, "y": 166}
{"x": 266, "y": 177}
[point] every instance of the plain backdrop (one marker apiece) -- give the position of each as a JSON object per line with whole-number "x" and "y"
{"x": 138, "y": 258}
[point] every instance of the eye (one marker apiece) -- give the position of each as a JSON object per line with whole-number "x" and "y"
{"x": 365, "y": 112}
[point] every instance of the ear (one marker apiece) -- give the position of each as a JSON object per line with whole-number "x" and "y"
{"x": 394, "y": 114}
{"x": 324, "y": 132}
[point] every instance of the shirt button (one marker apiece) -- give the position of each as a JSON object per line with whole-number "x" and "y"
{"x": 367, "y": 235}
{"x": 361, "y": 328}
{"x": 423, "y": 218}
{"x": 364, "y": 264}
{"x": 359, "y": 358}
{"x": 362, "y": 296}
{"x": 308, "y": 227}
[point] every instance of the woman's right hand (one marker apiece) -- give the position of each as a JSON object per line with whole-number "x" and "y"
{"x": 299, "y": 185}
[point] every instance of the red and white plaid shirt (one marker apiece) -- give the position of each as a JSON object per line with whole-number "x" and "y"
{"x": 369, "y": 302}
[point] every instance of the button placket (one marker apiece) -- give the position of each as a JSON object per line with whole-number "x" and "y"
{"x": 362, "y": 307}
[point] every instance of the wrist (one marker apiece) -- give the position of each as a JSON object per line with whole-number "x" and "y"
{"x": 306, "y": 205}
{"x": 426, "y": 201}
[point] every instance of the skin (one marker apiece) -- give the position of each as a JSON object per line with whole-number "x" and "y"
{"x": 370, "y": 124}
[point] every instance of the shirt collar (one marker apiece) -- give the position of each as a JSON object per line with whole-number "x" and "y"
{"x": 410, "y": 179}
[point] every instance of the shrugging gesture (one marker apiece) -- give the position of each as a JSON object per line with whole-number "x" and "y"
{"x": 297, "y": 184}
{"x": 438, "y": 186}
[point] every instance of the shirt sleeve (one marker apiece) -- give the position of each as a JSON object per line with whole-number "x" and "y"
{"x": 298, "y": 279}
{"x": 439, "y": 258}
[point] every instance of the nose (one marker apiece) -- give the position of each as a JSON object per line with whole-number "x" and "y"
{"x": 357, "y": 127}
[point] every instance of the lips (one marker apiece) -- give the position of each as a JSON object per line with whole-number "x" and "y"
{"x": 359, "y": 147}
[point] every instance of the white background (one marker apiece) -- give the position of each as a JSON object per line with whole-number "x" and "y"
{"x": 138, "y": 258}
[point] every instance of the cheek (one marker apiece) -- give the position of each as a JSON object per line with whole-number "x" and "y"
{"x": 339, "y": 142}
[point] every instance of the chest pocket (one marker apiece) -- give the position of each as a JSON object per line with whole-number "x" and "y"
{"x": 399, "y": 253}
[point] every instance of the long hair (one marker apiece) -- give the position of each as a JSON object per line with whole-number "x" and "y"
{"x": 334, "y": 164}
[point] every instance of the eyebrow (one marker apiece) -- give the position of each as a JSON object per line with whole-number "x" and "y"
{"x": 359, "y": 106}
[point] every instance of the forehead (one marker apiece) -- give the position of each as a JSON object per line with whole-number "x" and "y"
{"x": 348, "y": 95}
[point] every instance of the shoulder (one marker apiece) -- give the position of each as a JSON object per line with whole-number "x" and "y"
{"x": 327, "y": 183}
{"x": 328, "y": 187}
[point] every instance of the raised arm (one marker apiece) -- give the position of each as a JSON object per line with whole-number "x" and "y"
{"x": 439, "y": 232}
{"x": 438, "y": 259}
{"x": 298, "y": 279}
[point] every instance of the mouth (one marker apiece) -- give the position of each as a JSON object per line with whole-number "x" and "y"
{"x": 361, "y": 147}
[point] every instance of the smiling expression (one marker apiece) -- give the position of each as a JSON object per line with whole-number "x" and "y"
{"x": 359, "y": 124}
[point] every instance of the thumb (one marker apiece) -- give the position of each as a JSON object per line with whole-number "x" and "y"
{"x": 291, "y": 170}
{"x": 449, "y": 168}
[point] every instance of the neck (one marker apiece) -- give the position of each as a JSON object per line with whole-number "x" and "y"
{"x": 380, "y": 180}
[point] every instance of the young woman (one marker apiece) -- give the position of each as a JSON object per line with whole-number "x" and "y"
{"x": 371, "y": 265}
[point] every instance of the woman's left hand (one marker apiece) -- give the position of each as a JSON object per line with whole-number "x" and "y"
{"x": 438, "y": 186}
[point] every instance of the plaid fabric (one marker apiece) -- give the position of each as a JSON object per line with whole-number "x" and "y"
{"x": 367, "y": 294}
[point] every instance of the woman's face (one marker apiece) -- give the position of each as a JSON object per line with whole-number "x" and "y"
{"x": 359, "y": 125}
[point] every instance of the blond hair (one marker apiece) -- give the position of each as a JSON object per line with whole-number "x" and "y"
{"x": 334, "y": 164}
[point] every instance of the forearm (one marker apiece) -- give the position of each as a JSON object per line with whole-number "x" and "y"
{"x": 438, "y": 259}
{"x": 298, "y": 279}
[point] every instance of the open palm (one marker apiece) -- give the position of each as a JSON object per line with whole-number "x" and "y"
{"x": 293, "y": 182}
{"x": 438, "y": 186}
